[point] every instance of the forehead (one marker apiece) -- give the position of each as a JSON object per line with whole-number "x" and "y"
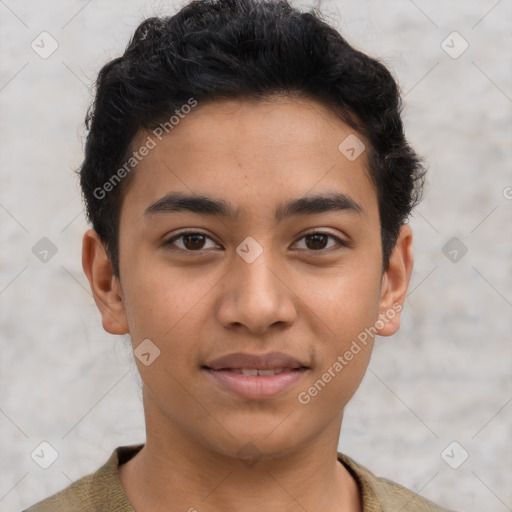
{"x": 252, "y": 152}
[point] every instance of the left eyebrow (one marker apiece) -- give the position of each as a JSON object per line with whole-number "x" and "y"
{"x": 317, "y": 204}
{"x": 308, "y": 205}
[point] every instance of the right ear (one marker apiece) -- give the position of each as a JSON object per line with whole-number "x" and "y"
{"x": 105, "y": 287}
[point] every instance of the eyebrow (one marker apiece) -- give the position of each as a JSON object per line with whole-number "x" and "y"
{"x": 203, "y": 205}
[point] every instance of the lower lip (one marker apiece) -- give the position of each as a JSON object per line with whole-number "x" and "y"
{"x": 256, "y": 387}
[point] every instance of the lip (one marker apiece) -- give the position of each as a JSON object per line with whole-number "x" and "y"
{"x": 268, "y": 361}
{"x": 257, "y": 387}
{"x": 225, "y": 372}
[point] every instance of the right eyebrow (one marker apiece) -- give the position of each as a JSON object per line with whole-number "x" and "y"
{"x": 178, "y": 201}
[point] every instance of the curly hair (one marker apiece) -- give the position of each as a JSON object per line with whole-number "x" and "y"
{"x": 225, "y": 49}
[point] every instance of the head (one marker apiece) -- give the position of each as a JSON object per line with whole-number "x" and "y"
{"x": 279, "y": 148}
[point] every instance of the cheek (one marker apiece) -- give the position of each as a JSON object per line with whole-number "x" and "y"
{"x": 167, "y": 307}
{"x": 162, "y": 301}
{"x": 170, "y": 307}
{"x": 345, "y": 341}
{"x": 346, "y": 302}
{"x": 346, "y": 309}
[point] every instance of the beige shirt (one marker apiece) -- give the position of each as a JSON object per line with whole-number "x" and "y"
{"x": 102, "y": 491}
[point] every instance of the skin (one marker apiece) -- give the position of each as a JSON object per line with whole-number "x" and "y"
{"x": 309, "y": 301}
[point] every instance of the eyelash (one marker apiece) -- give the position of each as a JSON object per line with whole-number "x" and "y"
{"x": 341, "y": 243}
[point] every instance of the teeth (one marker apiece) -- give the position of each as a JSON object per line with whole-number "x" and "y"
{"x": 254, "y": 372}
{"x": 270, "y": 372}
{"x": 250, "y": 373}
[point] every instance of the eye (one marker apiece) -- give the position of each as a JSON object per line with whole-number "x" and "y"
{"x": 194, "y": 241}
{"x": 319, "y": 241}
{"x": 191, "y": 241}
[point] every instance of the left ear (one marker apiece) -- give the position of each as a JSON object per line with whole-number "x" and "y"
{"x": 395, "y": 282}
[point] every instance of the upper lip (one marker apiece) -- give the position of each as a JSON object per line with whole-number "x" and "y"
{"x": 242, "y": 360}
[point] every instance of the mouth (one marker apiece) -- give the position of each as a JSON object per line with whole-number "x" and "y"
{"x": 255, "y": 377}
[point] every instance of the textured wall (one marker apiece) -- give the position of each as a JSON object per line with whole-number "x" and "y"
{"x": 446, "y": 376}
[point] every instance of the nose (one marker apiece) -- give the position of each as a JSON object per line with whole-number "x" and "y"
{"x": 256, "y": 296}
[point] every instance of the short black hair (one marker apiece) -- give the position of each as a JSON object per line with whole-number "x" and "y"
{"x": 253, "y": 49}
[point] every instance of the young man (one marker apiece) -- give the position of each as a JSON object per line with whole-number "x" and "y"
{"x": 248, "y": 182}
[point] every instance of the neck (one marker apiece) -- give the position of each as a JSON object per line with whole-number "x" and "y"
{"x": 174, "y": 472}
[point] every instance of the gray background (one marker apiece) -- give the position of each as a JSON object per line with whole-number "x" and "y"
{"x": 446, "y": 376}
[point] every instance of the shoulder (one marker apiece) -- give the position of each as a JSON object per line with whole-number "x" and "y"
{"x": 100, "y": 490}
{"x": 77, "y": 497}
{"x": 383, "y": 495}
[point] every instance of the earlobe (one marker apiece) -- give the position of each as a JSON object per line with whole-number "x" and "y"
{"x": 395, "y": 282}
{"x": 105, "y": 286}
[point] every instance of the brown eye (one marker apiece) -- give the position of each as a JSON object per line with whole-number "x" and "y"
{"x": 316, "y": 241}
{"x": 190, "y": 242}
{"x": 194, "y": 241}
{"x": 319, "y": 242}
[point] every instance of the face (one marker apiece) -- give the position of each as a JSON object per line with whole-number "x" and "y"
{"x": 250, "y": 257}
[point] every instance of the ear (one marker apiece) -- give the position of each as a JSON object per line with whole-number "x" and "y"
{"x": 395, "y": 282}
{"x": 105, "y": 287}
